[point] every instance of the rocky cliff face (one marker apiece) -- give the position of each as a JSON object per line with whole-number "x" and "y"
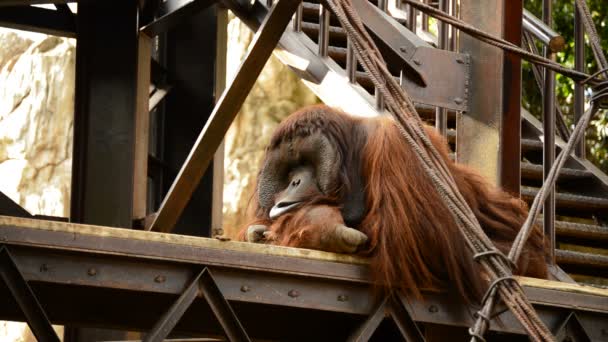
{"x": 36, "y": 119}
{"x": 277, "y": 93}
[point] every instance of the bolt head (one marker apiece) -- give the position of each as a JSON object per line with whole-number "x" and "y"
{"x": 342, "y": 298}
{"x": 433, "y": 309}
{"x": 417, "y": 62}
{"x": 245, "y": 288}
{"x": 293, "y": 293}
{"x": 92, "y": 271}
{"x": 160, "y": 279}
{"x": 458, "y": 100}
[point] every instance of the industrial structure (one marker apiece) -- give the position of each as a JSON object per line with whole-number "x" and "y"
{"x": 139, "y": 252}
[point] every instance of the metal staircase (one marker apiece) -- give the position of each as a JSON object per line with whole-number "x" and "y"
{"x": 582, "y": 189}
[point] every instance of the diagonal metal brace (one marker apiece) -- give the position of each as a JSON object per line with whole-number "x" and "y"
{"x": 396, "y": 308}
{"x": 402, "y": 317}
{"x": 264, "y": 42}
{"x": 366, "y": 330}
{"x": 203, "y": 284}
{"x": 25, "y": 298}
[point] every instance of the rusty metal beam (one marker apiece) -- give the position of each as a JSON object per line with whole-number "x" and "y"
{"x": 174, "y": 12}
{"x": 223, "y": 114}
{"x": 35, "y": 19}
{"x": 25, "y": 298}
{"x": 117, "y": 270}
{"x": 489, "y": 135}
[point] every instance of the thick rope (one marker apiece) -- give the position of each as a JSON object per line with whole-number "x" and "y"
{"x": 594, "y": 38}
{"x": 404, "y": 112}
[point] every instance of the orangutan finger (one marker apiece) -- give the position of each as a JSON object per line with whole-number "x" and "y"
{"x": 349, "y": 239}
{"x": 255, "y": 233}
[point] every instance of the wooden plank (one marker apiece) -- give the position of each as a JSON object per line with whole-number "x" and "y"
{"x": 222, "y": 116}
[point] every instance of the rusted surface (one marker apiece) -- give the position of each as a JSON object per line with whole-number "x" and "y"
{"x": 135, "y": 273}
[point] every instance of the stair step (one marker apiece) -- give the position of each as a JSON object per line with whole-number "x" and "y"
{"x": 580, "y": 231}
{"x": 587, "y": 260}
{"x": 531, "y": 145}
{"x": 310, "y": 13}
{"x": 568, "y": 200}
{"x": 336, "y": 33}
{"x": 535, "y": 171}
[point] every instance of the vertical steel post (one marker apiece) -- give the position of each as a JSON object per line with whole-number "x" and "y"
{"x": 424, "y": 24}
{"x": 324, "y": 16}
{"x": 489, "y": 135}
{"x": 549, "y": 137}
{"x": 383, "y": 6}
{"x": 579, "y": 64}
{"x": 441, "y": 114}
{"x": 297, "y": 23}
{"x": 351, "y": 62}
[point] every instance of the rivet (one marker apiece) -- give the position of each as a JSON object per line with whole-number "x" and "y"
{"x": 417, "y": 62}
{"x": 160, "y": 279}
{"x": 92, "y": 271}
{"x": 459, "y": 61}
{"x": 293, "y": 293}
{"x": 342, "y": 298}
{"x": 458, "y": 100}
{"x": 44, "y": 268}
{"x": 433, "y": 309}
{"x": 245, "y": 288}
{"x": 403, "y": 49}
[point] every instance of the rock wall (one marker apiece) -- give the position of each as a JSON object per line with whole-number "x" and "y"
{"x": 277, "y": 93}
{"x": 36, "y": 118}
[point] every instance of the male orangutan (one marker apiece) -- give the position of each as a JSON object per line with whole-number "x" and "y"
{"x": 339, "y": 183}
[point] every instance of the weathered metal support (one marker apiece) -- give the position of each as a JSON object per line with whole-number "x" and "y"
{"x": 579, "y": 89}
{"x": 297, "y": 23}
{"x": 224, "y": 112}
{"x": 25, "y": 298}
{"x": 351, "y": 62}
{"x": 549, "y": 139}
{"x": 10, "y": 208}
{"x": 35, "y": 19}
{"x": 366, "y": 330}
{"x": 33, "y": 2}
{"x": 441, "y": 114}
{"x": 489, "y": 135}
{"x": 423, "y": 65}
{"x": 110, "y": 123}
{"x": 324, "y": 16}
{"x": 174, "y": 12}
{"x": 203, "y": 284}
{"x": 95, "y": 274}
{"x": 402, "y": 317}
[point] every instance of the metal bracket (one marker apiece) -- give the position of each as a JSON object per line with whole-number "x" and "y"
{"x": 433, "y": 76}
{"x": 205, "y": 285}
{"x": 25, "y": 298}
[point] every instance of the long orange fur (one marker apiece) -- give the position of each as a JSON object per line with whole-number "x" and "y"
{"x": 414, "y": 242}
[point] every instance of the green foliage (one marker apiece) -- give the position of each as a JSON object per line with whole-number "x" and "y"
{"x": 563, "y": 22}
